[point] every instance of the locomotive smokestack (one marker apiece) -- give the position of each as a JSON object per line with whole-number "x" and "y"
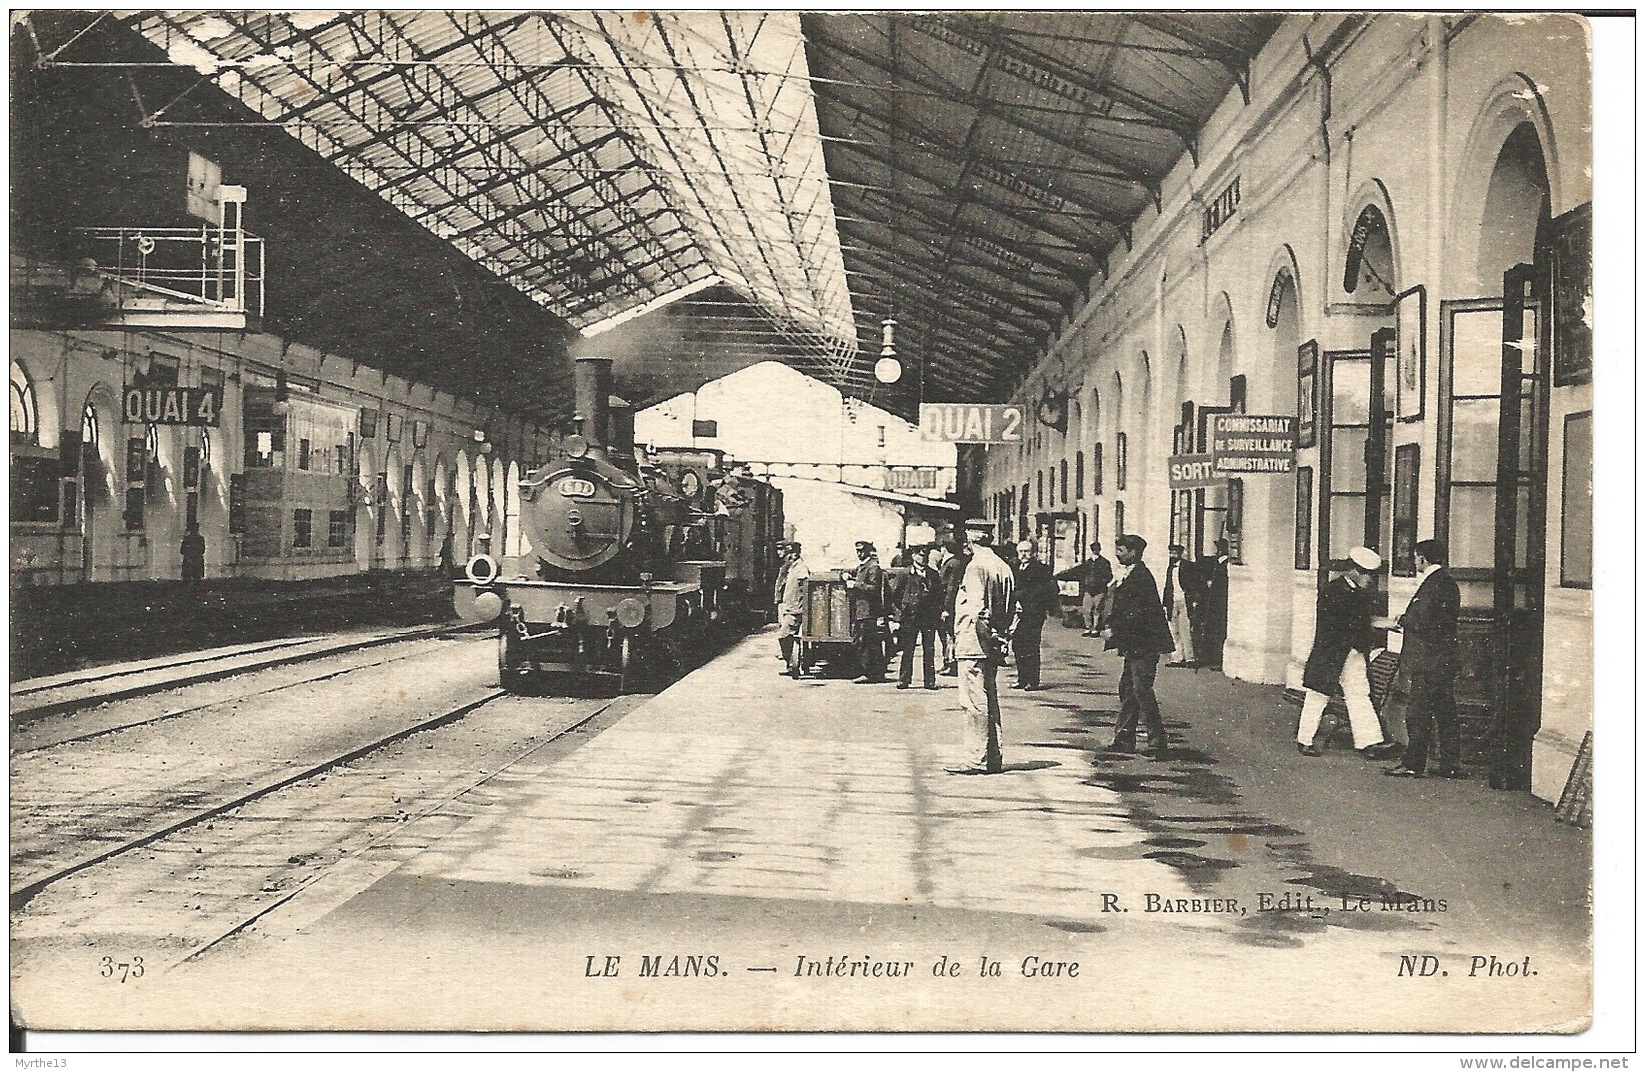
{"x": 592, "y": 381}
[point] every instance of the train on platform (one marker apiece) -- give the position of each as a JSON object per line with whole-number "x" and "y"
{"x": 629, "y": 557}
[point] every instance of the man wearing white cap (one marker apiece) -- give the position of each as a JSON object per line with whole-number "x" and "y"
{"x": 1342, "y": 642}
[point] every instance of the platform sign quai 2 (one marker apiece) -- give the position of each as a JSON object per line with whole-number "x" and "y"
{"x": 957, "y": 422}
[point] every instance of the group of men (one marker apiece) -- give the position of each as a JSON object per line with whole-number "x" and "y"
{"x": 962, "y": 595}
{"x": 1429, "y": 660}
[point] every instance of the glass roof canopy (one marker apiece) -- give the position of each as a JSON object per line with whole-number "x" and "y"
{"x": 604, "y": 164}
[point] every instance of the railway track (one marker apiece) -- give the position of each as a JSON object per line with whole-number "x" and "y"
{"x": 21, "y": 895}
{"x": 32, "y": 724}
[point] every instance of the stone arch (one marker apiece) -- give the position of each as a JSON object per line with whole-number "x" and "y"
{"x": 1514, "y": 101}
{"x": 479, "y": 503}
{"x": 102, "y": 454}
{"x": 462, "y": 517}
{"x": 365, "y": 526}
{"x": 1221, "y": 341}
{"x": 393, "y": 543}
{"x": 511, "y": 510}
{"x": 1372, "y": 262}
{"x": 419, "y": 503}
{"x": 499, "y": 505}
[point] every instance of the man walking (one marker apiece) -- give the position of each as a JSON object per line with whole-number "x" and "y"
{"x": 1432, "y": 654}
{"x": 917, "y": 612}
{"x": 1037, "y": 597}
{"x": 791, "y": 611}
{"x": 1093, "y": 575}
{"x": 867, "y": 587}
{"x": 981, "y": 618}
{"x": 1174, "y": 598}
{"x": 1336, "y": 663}
{"x": 1137, "y": 630}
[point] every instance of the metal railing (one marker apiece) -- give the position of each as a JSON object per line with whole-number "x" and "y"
{"x": 221, "y": 270}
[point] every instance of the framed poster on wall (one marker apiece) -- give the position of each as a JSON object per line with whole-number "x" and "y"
{"x": 1307, "y": 378}
{"x": 1407, "y": 466}
{"x": 1304, "y": 554}
{"x": 1410, "y": 352}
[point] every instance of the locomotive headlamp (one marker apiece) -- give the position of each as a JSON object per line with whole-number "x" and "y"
{"x": 631, "y": 613}
{"x": 575, "y": 446}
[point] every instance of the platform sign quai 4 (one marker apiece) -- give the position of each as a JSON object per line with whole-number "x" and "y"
{"x": 200, "y": 406}
{"x": 1245, "y": 443}
{"x": 958, "y": 422}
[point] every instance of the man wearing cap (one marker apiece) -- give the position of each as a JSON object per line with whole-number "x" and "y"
{"x": 1093, "y": 576}
{"x": 1137, "y": 630}
{"x": 783, "y": 563}
{"x": 791, "y": 611}
{"x": 1174, "y": 597}
{"x": 867, "y": 587}
{"x": 1037, "y": 597}
{"x": 1336, "y": 664}
{"x": 982, "y": 616}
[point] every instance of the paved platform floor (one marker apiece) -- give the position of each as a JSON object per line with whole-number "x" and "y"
{"x": 725, "y": 856}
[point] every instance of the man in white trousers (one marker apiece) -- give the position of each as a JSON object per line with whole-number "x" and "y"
{"x": 982, "y": 619}
{"x": 1337, "y": 663}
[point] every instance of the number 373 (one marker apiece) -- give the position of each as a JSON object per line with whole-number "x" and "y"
{"x": 125, "y": 969}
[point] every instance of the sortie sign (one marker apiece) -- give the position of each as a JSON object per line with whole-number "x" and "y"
{"x": 954, "y": 422}
{"x": 1246, "y": 443}
{"x": 1189, "y": 471}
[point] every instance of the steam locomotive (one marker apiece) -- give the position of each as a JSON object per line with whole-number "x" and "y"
{"x": 624, "y": 559}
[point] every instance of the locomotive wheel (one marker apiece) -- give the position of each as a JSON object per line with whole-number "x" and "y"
{"x": 508, "y": 662}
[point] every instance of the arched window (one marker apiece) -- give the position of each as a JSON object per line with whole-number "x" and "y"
{"x": 91, "y": 436}
{"x": 25, "y": 409}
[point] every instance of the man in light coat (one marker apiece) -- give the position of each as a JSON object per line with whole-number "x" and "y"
{"x": 982, "y": 618}
{"x": 791, "y": 613}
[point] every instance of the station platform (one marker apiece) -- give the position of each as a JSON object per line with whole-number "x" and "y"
{"x": 745, "y": 851}
{"x": 56, "y": 629}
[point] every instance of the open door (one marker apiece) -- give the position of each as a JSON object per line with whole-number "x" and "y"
{"x": 1518, "y": 566}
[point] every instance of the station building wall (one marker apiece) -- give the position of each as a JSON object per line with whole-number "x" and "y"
{"x": 1445, "y": 133}
{"x": 391, "y": 468}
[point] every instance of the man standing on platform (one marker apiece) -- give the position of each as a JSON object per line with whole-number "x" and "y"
{"x": 1336, "y": 664}
{"x": 1093, "y": 575}
{"x": 783, "y": 562}
{"x": 1037, "y": 597}
{"x": 1432, "y": 654}
{"x": 1137, "y": 630}
{"x": 982, "y": 616}
{"x": 791, "y": 609}
{"x": 1174, "y": 598}
{"x": 918, "y": 610}
{"x": 867, "y": 587}
{"x": 951, "y": 574}
{"x": 1213, "y": 609}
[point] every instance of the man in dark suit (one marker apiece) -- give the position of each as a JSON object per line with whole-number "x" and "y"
{"x": 1337, "y": 663}
{"x": 952, "y": 575}
{"x": 867, "y": 587}
{"x": 1212, "y": 578}
{"x": 1432, "y": 655}
{"x": 1137, "y": 630}
{"x": 1093, "y": 574}
{"x": 1037, "y": 597}
{"x": 917, "y": 610}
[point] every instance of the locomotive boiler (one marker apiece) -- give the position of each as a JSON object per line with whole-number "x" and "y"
{"x": 619, "y": 566}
